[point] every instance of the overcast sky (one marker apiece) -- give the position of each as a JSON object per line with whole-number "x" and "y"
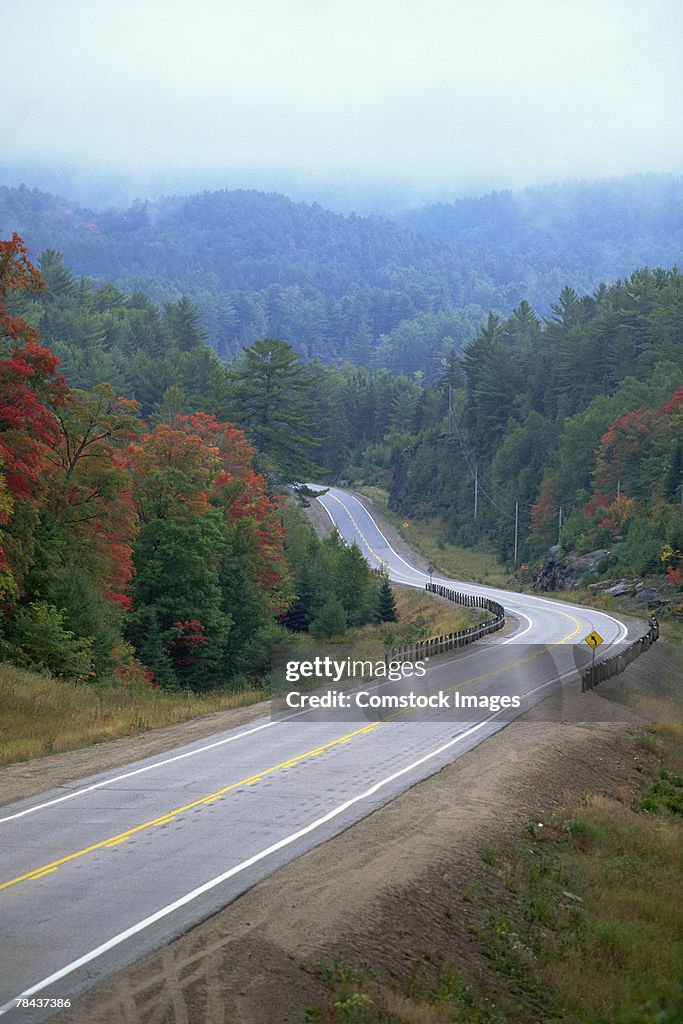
{"x": 438, "y": 97}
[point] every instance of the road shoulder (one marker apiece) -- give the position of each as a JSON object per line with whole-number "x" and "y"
{"x": 400, "y": 889}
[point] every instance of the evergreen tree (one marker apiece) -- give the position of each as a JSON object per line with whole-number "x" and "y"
{"x": 386, "y": 602}
{"x": 330, "y": 620}
{"x": 271, "y": 399}
{"x": 184, "y": 324}
{"x": 352, "y": 580}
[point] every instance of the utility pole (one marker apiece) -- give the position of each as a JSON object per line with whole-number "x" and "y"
{"x": 618, "y": 489}
{"x": 559, "y": 529}
{"x": 450, "y": 409}
{"x": 516, "y": 528}
{"x": 476, "y": 489}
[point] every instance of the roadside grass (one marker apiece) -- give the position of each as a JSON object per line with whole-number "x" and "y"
{"x": 587, "y": 926}
{"x": 420, "y": 616}
{"x": 44, "y": 715}
{"x": 357, "y": 997}
{"x": 597, "y": 925}
{"x": 672, "y": 630}
{"x": 664, "y": 742}
{"x": 427, "y": 537}
{"x": 603, "y": 602}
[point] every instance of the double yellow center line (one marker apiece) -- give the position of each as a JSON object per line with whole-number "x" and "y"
{"x": 170, "y": 816}
{"x": 250, "y": 780}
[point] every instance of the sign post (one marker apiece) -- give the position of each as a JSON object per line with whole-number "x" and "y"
{"x": 593, "y": 640}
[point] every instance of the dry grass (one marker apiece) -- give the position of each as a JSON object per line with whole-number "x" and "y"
{"x": 419, "y": 617}
{"x": 42, "y": 715}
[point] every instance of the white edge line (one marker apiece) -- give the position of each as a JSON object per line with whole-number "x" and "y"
{"x": 138, "y": 771}
{"x": 189, "y": 897}
{"x": 622, "y": 630}
{"x": 413, "y": 568}
{"x": 477, "y": 588}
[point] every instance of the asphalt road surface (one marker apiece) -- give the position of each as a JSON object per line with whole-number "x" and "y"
{"x": 96, "y": 873}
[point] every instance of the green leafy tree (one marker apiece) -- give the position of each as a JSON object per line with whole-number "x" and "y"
{"x": 177, "y": 577}
{"x": 38, "y": 638}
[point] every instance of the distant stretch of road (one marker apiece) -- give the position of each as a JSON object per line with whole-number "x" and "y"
{"x": 96, "y": 873}
{"x": 544, "y": 621}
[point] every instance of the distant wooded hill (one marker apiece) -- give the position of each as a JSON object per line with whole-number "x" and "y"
{"x": 577, "y": 233}
{"x": 375, "y": 292}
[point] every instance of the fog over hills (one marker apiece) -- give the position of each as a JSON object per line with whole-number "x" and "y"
{"x": 394, "y": 293}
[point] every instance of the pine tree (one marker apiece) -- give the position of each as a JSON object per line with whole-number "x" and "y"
{"x": 330, "y": 620}
{"x": 386, "y": 602}
{"x": 353, "y": 583}
{"x": 183, "y": 321}
{"x": 273, "y": 407}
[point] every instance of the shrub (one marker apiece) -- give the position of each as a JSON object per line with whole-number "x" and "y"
{"x": 38, "y": 639}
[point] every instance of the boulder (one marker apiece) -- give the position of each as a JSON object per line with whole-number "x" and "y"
{"x": 623, "y": 587}
{"x": 650, "y": 597}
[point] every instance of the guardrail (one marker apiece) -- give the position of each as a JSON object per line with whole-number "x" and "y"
{"x": 422, "y": 649}
{"x": 618, "y": 663}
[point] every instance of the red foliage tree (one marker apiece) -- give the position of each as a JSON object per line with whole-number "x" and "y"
{"x": 242, "y": 492}
{"x": 634, "y": 450}
{"x": 30, "y": 390}
{"x": 544, "y": 515}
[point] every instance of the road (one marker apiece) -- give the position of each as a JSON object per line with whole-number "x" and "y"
{"x": 97, "y": 873}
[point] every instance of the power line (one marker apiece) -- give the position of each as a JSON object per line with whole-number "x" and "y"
{"x": 475, "y": 476}
{"x": 474, "y": 473}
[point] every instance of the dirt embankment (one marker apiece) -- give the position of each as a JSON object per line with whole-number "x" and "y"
{"x": 401, "y": 889}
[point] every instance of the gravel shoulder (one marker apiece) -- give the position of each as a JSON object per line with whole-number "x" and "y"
{"x": 400, "y": 889}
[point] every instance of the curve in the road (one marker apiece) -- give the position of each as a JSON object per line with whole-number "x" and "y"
{"x": 344, "y": 508}
{"x": 145, "y": 883}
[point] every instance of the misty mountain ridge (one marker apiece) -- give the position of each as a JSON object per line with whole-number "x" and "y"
{"x": 379, "y": 292}
{"x": 618, "y": 220}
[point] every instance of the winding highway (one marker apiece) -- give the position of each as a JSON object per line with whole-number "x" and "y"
{"x": 96, "y": 873}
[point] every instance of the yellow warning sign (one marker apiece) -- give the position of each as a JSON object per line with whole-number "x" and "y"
{"x": 593, "y": 639}
{"x": 406, "y": 525}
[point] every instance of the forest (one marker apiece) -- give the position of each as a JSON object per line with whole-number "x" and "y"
{"x": 103, "y": 511}
{"x": 132, "y": 455}
{"x": 531, "y": 400}
{"x": 393, "y": 295}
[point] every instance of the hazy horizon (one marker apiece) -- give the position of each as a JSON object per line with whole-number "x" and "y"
{"x": 363, "y": 198}
{"x": 357, "y": 104}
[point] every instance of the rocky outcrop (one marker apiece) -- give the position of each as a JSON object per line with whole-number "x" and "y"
{"x": 625, "y": 586}
{"x": 567, "y": 571}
